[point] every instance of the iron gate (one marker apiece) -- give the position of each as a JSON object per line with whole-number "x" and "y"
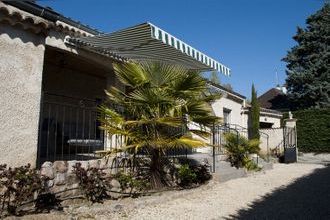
{"x": 290, "y": 144}
{"x": 69, "y": 129}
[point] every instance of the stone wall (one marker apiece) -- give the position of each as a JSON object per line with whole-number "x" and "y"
{"x": 63, "y": 181}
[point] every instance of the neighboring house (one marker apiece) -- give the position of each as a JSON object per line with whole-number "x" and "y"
{"x": 275, "y": 99}
{"x": 53, "y": 73}
{"x": 234, "y": 110}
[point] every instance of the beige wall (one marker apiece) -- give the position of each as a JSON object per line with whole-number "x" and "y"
{"x": 234, "y": 106}
{"x": 275, "y": 120}
{"x": 275, "y": 138}
{"x": 21, "y": 66}
{"x": 23, "y": 74}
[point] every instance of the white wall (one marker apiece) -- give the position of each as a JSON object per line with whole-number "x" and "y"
{"x": 235, "y": 107}
{"x": 275, "y": 138}
{"x": 276, "y": 121}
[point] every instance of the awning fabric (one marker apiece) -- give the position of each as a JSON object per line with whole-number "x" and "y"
{"x": 148, "y": 42}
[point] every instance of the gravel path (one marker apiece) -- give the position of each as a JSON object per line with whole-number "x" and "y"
{"x": 291, "y": 191}
{"x": 224, "y": 200}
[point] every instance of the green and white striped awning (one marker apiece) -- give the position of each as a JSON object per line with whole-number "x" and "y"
{"x": 148, "y": 42}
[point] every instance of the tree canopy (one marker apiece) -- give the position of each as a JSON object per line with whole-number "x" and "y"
{"x": 255, "y": 115}
{"x": 308, "y": 70}
{"x": 153, "y": 111}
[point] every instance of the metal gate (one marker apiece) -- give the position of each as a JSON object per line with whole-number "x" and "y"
{"x": 69, "y": 129}
{"x": 219, "y": 140}
{"x": 290, "y": 144}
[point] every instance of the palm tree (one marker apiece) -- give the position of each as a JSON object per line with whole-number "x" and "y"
{"x": 153, "y": 111}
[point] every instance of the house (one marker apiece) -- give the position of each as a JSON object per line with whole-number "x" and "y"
{"x": 53, "y": 75}
{"x": 275, "y": 99}
{"x": 235, "y": 110}
{"x": 54, "y": 72}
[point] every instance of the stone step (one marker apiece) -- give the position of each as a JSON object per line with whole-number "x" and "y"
{"x": 224, "y": 172}
{"x": 226, "y": 176}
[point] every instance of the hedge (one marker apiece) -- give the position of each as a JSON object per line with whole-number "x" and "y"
{"x": 313, "y": 130}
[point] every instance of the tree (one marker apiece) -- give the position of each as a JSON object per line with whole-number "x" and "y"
{"x": 215, "y": 78}
{"x": 228, "y": 86}
{"x": 152, "y": 113}
{"x": 308, "y": 70}
{"x": 255, "y": 115}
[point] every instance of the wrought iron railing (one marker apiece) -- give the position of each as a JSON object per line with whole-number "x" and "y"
{"x": 69, "y": 129}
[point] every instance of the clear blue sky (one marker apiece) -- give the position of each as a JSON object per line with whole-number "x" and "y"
{"x": 249, "y": 36}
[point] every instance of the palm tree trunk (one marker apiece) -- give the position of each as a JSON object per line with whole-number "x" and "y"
{"x": 157, "y": 177}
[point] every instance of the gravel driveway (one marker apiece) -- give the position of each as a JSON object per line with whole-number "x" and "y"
{"x": 294, "y": 191}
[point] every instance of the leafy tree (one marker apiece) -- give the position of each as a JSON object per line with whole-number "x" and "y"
{"x": 152, "y": 113}
{"x": 308, "y": 70}
{"x": 228, "y": 86}
{"x": 255, "y": 115}
{"x": 215, "y": 78}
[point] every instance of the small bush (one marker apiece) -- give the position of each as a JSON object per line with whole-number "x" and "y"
{"x": 18, "y": 185}
{"x": 251, "y": 165}
{"x": 135, "y": 183}
{"x": 239, "y": 148}
{"x": 186, "y": 176}
{"x": 92, "y": 182}
{"x": 202, "y": 173}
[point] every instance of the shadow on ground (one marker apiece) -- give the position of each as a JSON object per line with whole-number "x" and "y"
{"x": 306, "y": 198}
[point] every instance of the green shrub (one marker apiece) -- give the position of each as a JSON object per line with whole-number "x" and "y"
{"x": 186, "y": 175}
{"x": 134, "y": 182}
{"x": 202, "y": 173}
{"x": 251, "y": 165}
{"x": 238, "y": 149}
{"x": 313, "y": 130}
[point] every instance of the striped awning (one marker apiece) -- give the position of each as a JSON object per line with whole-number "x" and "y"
{"x": 148, "y": 42}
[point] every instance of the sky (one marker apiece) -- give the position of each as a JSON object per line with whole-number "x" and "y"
{"x": 248, "y": 36}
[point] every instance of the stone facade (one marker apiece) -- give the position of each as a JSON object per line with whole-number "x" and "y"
{"x": 63, "y": 182}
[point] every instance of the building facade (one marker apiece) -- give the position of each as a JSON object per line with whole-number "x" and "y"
{"x": 53, "y": 74}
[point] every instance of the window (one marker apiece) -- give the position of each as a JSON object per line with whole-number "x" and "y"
{"x": 226, "y": 115}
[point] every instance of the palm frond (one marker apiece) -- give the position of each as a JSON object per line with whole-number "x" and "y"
{"x": 130, "y": 74}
